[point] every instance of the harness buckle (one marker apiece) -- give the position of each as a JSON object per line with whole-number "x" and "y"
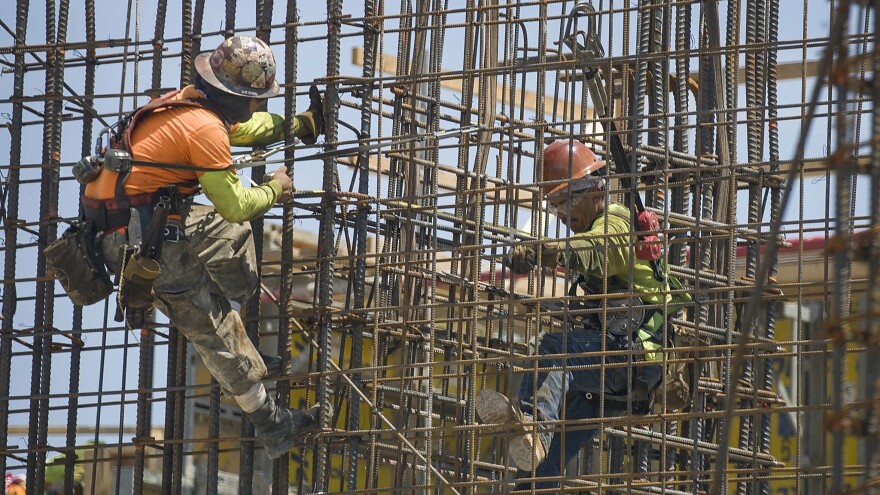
{"x": 173, "y": 233}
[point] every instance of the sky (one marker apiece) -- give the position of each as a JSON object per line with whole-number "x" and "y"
{"x": 311, "y": 64}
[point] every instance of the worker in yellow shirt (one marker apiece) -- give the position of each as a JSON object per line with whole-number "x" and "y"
{"x": 600, "y": 253}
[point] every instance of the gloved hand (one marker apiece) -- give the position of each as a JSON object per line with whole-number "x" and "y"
{"x": 286, "y": 185}
{"x": 522, "y": 259}
{"x": 313, "y": 118}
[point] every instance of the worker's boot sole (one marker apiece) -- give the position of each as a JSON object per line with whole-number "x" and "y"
{"x": 282, "y": 429}
{"x": 522, "y": 449}
{"x": 495, "y": 408}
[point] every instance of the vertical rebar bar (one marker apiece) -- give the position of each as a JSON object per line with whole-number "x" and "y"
{"x": 773, "y": 150}
{"x": 77, "y": 327}
{"x": 143, "y": 404}
{"x": 45, "y": 300}
{"x": 839, "y": 309}
{"x": 326, "y": 251}
{"x": 180, "y": 430}
{"x": 186, "y": 45}
{"x": 754, "y": 113}
{"x": 291, "y": 60}
{"x": 170, "y": 406}
{"x": 198, "y": 18}
{"x": 159, "y": 42}
{"x": 10, "y": 293}
{"x": 360, "y": 269}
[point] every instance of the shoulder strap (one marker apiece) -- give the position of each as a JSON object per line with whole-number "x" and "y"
{"x": 119, "y": 193}
{"x": 624, "y": 216}
{"x": 164, "y": 101}
{"x": 131, "y": 121}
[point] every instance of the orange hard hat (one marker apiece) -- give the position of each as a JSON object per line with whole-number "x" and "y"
{"x": 572, "y": 160}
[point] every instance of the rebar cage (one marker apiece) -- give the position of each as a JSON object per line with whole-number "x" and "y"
{"x": 750, "y": 128}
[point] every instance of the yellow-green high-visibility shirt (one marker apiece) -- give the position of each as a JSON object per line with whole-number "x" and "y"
{"x": 610, "y": 236}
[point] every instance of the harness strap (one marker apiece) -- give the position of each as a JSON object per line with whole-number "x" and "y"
{"x": 114, "y": 213}
{"x": 164, "y": 101}
{"x": 110, "y": 214}
{"x": 626, "y": 218}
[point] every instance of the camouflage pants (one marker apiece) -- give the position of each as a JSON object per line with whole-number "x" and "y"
{"x": 214, "y": 264}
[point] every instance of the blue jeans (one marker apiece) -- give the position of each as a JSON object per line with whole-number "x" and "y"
{"x": 553, "y": 386}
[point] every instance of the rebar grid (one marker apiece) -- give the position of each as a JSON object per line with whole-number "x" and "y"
{"x": 385, "y": 285}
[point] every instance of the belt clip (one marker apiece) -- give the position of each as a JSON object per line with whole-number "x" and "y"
{"x": 173, "y": 233}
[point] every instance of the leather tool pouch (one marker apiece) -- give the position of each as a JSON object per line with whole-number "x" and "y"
{"x": 137, "y": 288}
{"x": 75, "y": 262}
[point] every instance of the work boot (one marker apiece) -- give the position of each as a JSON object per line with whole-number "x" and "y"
{"x": 495, "y": 408}
{"x": 313, "y": 118}
{"x": 274, "y": 370}
{"x": 280, "y": 429}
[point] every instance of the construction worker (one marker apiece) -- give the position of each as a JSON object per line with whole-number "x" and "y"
{"x": 15, "y": 484}
{"x": 206, "y": 265}
{"x": 600, "y": 240}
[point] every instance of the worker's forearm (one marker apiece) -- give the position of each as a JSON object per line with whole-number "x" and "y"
{"x": 263, "y": 129}
{"x": 234, "y": 202}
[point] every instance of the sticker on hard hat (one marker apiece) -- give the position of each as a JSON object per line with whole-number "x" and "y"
{"x": 216, "y": 58}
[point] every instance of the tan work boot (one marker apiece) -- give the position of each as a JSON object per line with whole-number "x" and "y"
{"x": 494, "y": 407}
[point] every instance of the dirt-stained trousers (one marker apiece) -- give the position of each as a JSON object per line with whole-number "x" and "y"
{"x": 202, "y": 273}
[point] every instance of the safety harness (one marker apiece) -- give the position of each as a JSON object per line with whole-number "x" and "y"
{"x": 628, "y": 327}
{"x": 112, "y": 214}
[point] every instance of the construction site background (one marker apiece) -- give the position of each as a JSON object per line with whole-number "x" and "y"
{"x": 754, "y": 128}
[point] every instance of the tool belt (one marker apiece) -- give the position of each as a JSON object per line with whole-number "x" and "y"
{"x": 109, "y": 214}
{"x": 140, "y": 267}
{"x": 112, "y": 214}
{"x": 74, "y": 261}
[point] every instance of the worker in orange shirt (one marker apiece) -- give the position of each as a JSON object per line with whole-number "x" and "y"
{"x": 207, "y": 266}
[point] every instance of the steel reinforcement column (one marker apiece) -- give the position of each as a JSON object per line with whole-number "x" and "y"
{"x": 159, "y": 42}
{"x": 767, "y": 371}
{"x": 76, "y": 327}
{"x": 285, "y": 308}
{"x": 326, "y": 244}
{"x": 45, "y": 300}
{"x": 10, "y": 295}
{"x": 360, "y": 271}
{"x": 839, "y": 309}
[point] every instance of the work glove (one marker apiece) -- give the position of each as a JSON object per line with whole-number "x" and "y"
{"x": 313, "y": 118}
{"x": 287, "y": 188}
{"x": 522, "y": 259}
